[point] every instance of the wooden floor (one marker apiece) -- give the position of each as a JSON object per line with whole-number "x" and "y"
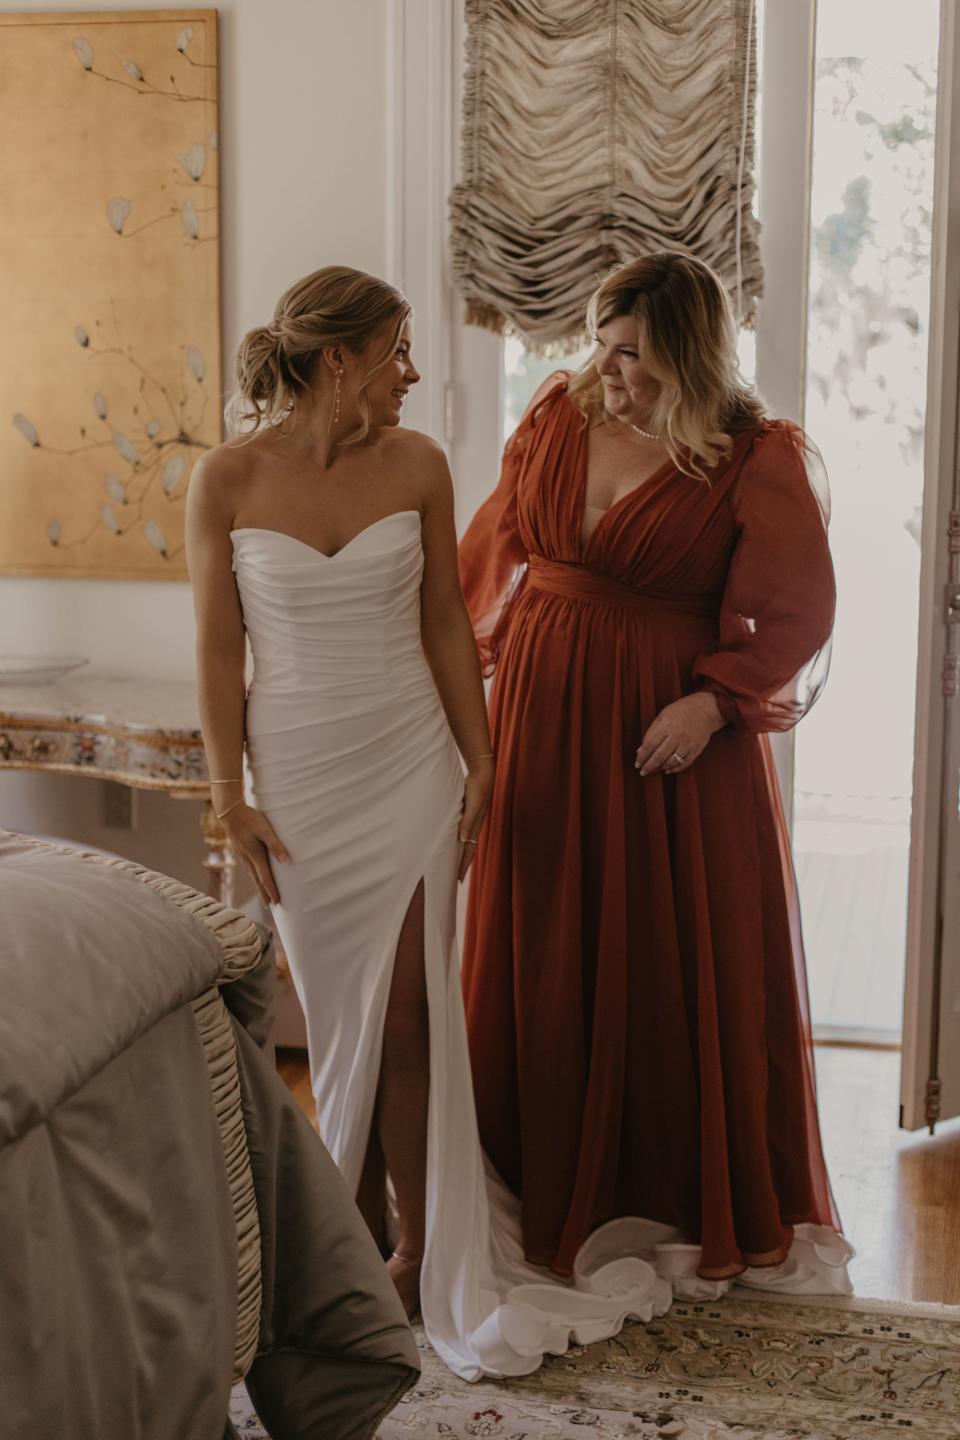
{"x": 292, "y": 1065}
{"x": 898, "y": 1194}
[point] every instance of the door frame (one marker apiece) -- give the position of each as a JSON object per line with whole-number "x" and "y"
{"x": 930, "y": 1069}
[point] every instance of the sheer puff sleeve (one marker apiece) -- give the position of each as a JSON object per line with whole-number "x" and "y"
{"x": 493, "y": 557}
{"x": 773, "y": 649}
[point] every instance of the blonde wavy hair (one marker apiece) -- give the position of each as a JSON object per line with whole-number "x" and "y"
{"x": 277, "y": 363}
{"x": 688, "y": 342}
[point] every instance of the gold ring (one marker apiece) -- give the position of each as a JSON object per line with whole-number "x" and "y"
{"x": 469, "y": 842}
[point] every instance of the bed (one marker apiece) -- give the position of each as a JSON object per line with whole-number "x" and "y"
{"x": 169, "y": 1222}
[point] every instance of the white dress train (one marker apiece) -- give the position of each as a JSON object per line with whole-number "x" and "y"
{"x": 352, "y": 760}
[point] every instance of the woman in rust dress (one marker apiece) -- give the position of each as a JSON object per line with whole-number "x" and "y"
{"x": 652, "y": 584}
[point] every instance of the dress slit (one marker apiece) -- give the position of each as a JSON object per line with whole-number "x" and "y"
{"x": 385, "y": 1234}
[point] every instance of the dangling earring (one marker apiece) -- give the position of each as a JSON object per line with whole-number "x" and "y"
{"x": 335, "y": 411}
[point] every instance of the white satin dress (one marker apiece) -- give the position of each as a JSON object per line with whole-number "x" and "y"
{"x": 352, "y": 760}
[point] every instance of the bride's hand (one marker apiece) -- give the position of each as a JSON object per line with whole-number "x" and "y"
{"x": 254, "y": 840}
{"x": 478, "y": 787}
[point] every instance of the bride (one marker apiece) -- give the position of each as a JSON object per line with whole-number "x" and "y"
{"x": 352, "y": 779}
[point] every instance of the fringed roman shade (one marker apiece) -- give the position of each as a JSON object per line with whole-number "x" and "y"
{"x": 595, "y": 131}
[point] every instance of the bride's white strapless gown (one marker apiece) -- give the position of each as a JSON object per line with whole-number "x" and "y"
{"x": 352, "y": 760}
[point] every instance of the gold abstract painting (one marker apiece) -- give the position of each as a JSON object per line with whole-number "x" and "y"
{"x": 109, "y": 287}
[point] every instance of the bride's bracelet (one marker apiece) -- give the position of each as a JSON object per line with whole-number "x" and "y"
{"x": 472, "y": 759}
{"x": 238, "y": 781}
{"x": 221, "y": 813}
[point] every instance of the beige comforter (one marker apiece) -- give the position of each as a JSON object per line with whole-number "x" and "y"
{"x": 168, "y": 1220}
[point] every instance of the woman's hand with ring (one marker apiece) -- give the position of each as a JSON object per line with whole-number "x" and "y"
{"x": 679, "y": 734}
{"x": 478, "y": 787}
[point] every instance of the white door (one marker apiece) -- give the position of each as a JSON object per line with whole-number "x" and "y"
{"x": 930, "y": 1077}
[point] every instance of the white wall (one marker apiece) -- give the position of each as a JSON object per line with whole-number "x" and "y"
{"x": 303, "y": 128}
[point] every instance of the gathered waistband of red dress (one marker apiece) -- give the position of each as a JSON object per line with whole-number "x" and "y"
{"x": 579, "y": 582}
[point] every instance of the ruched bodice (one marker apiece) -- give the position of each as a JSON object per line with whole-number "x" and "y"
{"x": 337, "y": 634}
{"x": 344, "y": 623}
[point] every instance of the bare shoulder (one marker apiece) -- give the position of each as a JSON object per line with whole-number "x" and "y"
{"x": 413, "y": 444}
{"x": 420, "y": 458}
{"x": 221, "y": 475}
{"x": 224, "y": 463}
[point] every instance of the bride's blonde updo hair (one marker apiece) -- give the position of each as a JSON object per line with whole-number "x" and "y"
{"x": 277, "y": 363}
{"x": 688, "y": 342}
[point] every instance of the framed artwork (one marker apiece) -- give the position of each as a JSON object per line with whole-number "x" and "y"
{"x": 109, "y": 287}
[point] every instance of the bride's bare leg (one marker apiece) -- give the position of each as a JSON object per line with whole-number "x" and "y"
{"x": 403, "y": 1097}
{"x": 372, "y": 1191}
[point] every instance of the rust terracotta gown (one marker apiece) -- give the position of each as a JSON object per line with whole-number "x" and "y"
{"x": 633, "y": 969}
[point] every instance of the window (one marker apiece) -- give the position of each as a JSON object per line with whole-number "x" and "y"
{"x": 869, "y": 292}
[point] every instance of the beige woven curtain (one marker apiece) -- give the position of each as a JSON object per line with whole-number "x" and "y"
{"x": 596, "y": 131}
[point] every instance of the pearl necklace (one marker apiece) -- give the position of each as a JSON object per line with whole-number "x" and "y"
{"x": 645, "y": 433}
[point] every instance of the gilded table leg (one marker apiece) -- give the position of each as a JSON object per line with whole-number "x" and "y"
{"x": 221, "y": 862}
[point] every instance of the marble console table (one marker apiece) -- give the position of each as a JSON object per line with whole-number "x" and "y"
{"x": 127, "y": 727}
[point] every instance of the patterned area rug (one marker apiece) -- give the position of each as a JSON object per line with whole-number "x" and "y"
{"x": 742, "y": 1368}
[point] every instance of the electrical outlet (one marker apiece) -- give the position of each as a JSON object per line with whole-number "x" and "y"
{"x": 119, "y": 806}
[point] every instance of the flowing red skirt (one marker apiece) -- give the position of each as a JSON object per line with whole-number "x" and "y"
{"x": 633, "y": 974}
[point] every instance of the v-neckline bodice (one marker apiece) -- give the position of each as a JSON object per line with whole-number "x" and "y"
{"x": 585, "y": 544}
